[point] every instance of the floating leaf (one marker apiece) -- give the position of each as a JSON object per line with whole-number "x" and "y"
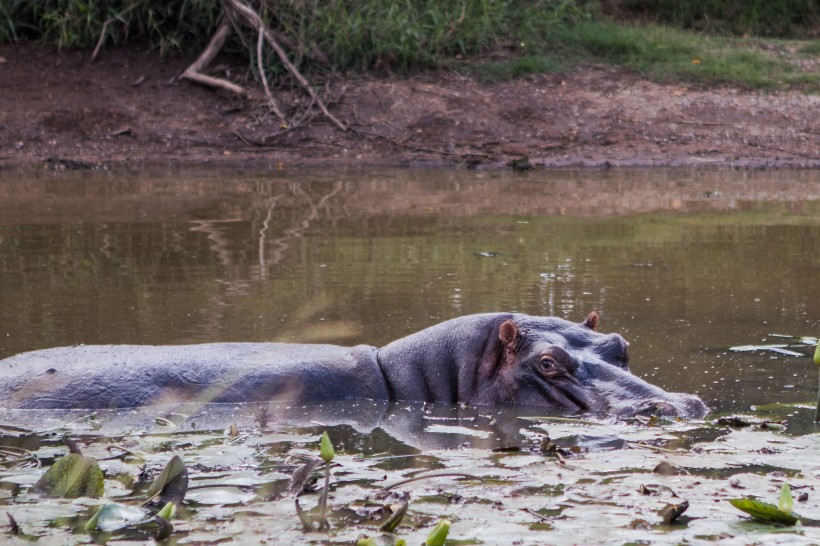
{"x": 785, "y": 503}
{"x": 171, "y": 484}
{"x": 115, "y": 516}
{"x": 439, "y": 533}
{"x": 764, "y": 511}
{"x": 130, "y": 519}
{"x": 779, "y": 348}
{"x": 817, "y": 354}
{"x": 72, "y": 476}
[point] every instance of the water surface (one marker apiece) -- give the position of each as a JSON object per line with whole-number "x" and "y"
{"x": 683, "y": 263}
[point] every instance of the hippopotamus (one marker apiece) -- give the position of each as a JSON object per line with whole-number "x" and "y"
{"x": 483, "y": 359}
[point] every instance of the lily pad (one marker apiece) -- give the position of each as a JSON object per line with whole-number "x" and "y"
{"x": 171, "y": 484}
{"x": 115, "y": 516}
{"x": 779, "y": 348}
{"x": 72, "y": 476}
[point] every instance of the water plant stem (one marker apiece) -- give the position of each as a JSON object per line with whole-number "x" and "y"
{"x": 323, "y": 523}
{"x": 817, "y": 411}
{"x": 817, "y": 361}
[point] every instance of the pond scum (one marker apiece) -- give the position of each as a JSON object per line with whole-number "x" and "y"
{"x": 231, "y": 474}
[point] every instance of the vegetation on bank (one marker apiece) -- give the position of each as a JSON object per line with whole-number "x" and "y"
{"x": 727, "y": 41}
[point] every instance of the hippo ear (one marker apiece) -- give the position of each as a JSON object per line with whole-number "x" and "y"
{"x": 499, "y": 348}
{"x": 591, "y": 321}
{"x": 508, "y": 333}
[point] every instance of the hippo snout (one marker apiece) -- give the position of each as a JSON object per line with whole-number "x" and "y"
{"x": 622, "y": 393}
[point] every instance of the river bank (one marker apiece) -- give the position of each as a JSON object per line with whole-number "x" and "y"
{"x": 130, "y": 107}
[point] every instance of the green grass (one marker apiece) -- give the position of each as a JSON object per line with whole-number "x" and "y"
{"x": 811, "y": 49}
{"x": 518, "y": 68}
{"x": 530, "y": 36}
{"x": 665, "y": 54}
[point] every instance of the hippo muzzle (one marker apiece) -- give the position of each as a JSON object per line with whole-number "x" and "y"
{"x": 619, "y": 392}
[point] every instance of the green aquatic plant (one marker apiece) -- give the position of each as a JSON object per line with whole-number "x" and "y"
{"x": 817, "y": 361}
{"x": 327, "y": 453}
{"x": 114, "y": 516}
{"x": 171, "y": 484}
{"x": 769, "y": 513}
{"x": 439, "y": 533}
{"x": 72, "y": 476}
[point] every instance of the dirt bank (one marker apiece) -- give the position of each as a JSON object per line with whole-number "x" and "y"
{"x": 129, "y": 106}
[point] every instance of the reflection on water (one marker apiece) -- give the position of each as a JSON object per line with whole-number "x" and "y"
{"x": 683, "y": 263}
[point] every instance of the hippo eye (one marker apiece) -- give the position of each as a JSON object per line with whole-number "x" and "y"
{"x": 548, "y": 362}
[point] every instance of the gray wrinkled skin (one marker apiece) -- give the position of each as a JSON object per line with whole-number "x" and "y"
{"x": 486, "y": 359}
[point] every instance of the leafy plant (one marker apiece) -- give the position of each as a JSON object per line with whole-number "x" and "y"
{"x": 439, "y": 533}
{"x": 171, "y": 484}
{"x": 769, "y": 513}
{"x": 72, "y": 476}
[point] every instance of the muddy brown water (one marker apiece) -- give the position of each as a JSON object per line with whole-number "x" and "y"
{"x": 683, "y": 263}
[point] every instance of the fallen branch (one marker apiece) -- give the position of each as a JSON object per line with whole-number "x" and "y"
{"x": 255, "y": 21}
{"x": 194, "y": 72}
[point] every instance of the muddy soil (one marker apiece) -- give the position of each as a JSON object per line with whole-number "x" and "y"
{"x": 131, "y": 107}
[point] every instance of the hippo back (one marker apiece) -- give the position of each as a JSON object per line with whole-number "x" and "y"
{"x": 116, "y": 376}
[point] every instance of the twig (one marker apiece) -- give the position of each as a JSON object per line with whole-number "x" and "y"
{"x": 776, "y": 149}
{"x": 643, "y": 445}
{"x": 428, "y": 476}
{"x": 256, "y": 22}
{"x": 460, "y": 20}
{"x": 125, "y": 451}
{"x": 243, "y": 139}
{"x": 194, "y": 73}
{"x": 532, "y": 512}
{"x": 108, "y": 22}
{"x": 259, "y": 53}
{"x": 696, "y": 122}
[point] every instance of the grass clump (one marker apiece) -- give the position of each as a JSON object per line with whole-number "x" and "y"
{"x": 665, "y": 54}
{"x": 501, "y": 39}
{"x": 770, "y": 18}
{"x": 171, "y": 25}
{"x": 351, "y": 33}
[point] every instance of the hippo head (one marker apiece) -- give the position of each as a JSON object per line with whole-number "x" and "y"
{"x": 551, "y": 362}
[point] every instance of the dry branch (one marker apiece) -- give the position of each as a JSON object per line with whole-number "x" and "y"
{"x": 259, "y": 65}
{"x": 254, "y": 21}
{"x": 194, "y": 72}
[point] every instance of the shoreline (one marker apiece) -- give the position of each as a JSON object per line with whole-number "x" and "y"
{"x": 130, "y": 108}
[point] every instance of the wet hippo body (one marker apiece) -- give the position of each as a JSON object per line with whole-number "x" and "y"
{"x": 486, "y": 359}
